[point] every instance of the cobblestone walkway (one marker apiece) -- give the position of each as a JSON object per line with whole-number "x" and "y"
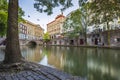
{"x": 33, "y": 71}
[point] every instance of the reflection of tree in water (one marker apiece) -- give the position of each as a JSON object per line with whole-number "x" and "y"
{"x": 98, "y": 75}
{"x": 55, "y": 56}
{"x": 105, "y": 56}
{"x": 46, "y": 50}
{"x": 104, "y": 64}
{"x": 32, "y": 54}
{"x": 76, "y": 61}
{"x": 70, "y": 59}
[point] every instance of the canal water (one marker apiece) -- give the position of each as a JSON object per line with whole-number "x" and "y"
{"x": 90, "y": 63}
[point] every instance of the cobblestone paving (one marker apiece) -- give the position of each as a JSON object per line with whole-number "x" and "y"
{"x": 32, "y": 71}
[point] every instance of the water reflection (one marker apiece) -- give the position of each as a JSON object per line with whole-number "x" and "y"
{"x": 32, "y": 54}
{"x": 92, "y": 63}
{"x": 104, "y": 64}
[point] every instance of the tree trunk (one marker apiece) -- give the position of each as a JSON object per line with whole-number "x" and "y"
{"x": 12, "y": 51}
{"x": 85, "y": 38}
{"x": 108, "y": 34}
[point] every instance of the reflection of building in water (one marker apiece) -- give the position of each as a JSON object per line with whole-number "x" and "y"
{"x": 33, "y": 55}
{"x": 104, "y": 69}
{"x": 104, "y": 63}
{"x": 56, "y": 60}
{"x": 38, "y": 55}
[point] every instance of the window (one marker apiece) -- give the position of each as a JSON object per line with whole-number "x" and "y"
{"x": 118, "y": 39}
{"x": 55, "y": 42}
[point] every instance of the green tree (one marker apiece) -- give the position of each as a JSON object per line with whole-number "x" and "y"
{"x": 78, "y": 20}
{"x": 104, "y": 11}
{"x": 47, "y": 6}
{"x": 3, "y": 5}
{"x": 84, "y": 8}
{"x": 74, "y": 24}
{"x": 3, "y": 17}
{"x": 20, "y": 15}
{"x": 46, "y": 37}
{"x": 4, "y": 14}
{"x": 3, "y": 21}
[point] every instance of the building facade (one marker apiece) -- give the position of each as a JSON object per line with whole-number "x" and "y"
{"x": 39, "y": 32}
{"x": 101, "y": 35}
{"x": 30, "y": 31}
{"x": 54, "y": 28}
{"x": 22, "y": 31}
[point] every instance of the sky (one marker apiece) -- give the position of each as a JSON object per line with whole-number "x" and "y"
{"x": 42, "y": 18}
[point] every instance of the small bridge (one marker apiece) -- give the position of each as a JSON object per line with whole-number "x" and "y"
{"x": 26, "y": 42}
{"x": 23, "y": 41}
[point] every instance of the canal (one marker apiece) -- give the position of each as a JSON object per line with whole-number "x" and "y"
{"x": 90, "y": 63}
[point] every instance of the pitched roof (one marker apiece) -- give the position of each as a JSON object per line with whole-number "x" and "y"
{"x": 58, "y": 16}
